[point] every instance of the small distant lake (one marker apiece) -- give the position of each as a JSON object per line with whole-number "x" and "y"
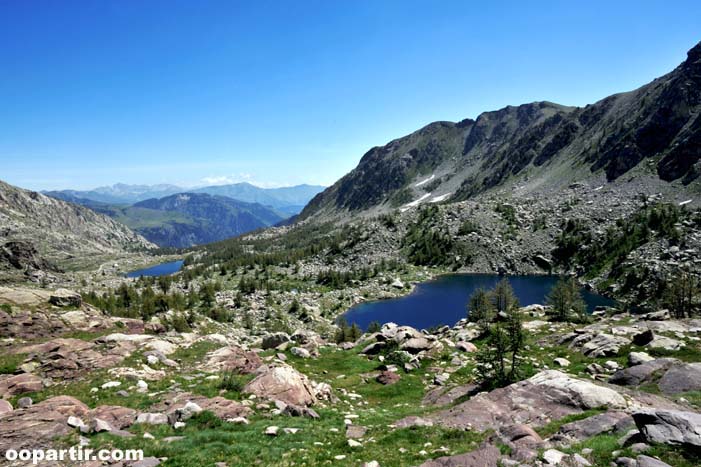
{"x": 444, "y": 300}
{"x": 162, "y": 269}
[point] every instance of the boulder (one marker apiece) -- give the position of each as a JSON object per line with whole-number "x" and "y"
{"x": 152, "y": 418}
{"x": 681, "y": 378}
{"x": 300, "y": 352}
{"x": 65, "y": 298}
{"x": 664, "y": 342}
{"x": 520, "y": 434}
{"x": 281, "y": 383}
{"x": 12, "y": 385}
{"x": 656, "y": 316}
{"x": 669, "y": 427}
{"x": 271, "y": 341}
{"x": 642, "y": 373}
{"x": 373, "y": 348}
{"x": 415, "y": 345}
{"x": 116, "y": 416}
{"x": 554, "y": 457}
{"x": 465, "y": 346}
{"x": 601, "y": 345}
{"x": 561, "y": 362}
{"x": 233, "y": 359}
{"x": 387, "y": 377}
{"x": 402, "y": 334}
{"x": 607, "y": 422}
{"x": 643, "y": 338}
{"x": 647, "y": 461}
{"x": 638, "y": 358}
{"x": 181, "y": 406}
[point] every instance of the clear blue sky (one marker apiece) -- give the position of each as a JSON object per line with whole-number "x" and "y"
{"x": 285, "y": 92}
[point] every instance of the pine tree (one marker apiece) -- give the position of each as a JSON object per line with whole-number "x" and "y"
{"x": 566, "y": 302}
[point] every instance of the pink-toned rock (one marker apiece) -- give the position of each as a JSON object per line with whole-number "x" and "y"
{"x": 36, "y": 426}
{"x": 5, "y": 407}
{"x": 388, "y": 377}
{"x": 282, "y": 383}
{"x": 117, "y": 416}
{"x": 13, "y": 385}
{"x": 487, "y": 456}
{"x": 69, "y": 359}
{"x": 549, "y": 395}
{"x": 233, "y": 359}
{"x": 223, "y": 408}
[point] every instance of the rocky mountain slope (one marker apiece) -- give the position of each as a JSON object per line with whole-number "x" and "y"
{"x": 656, "y": 129}
{"x": 37, "y": 230}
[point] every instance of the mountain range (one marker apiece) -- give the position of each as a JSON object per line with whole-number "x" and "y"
{"x": 289, "y": 200}
{"x": 653, "y": 131}
{"x": 186, "y": 219}
{"x": 171, "y": 216}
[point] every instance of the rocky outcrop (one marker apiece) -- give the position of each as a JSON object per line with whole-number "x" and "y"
{"x": 613, "y": 421}
{"x": 669, "y": 374}
{"x": 669, "y": 427}
{"x": 35, "y": 427}
{"x": 69, "y": 359}
{"x": 225, "y": 409}
{"x": 12, "y": 385}
{"x": 549, "y": 395}
{"x": 595, "y": 344}
{"x": 65, "y": 298}
{"x": 271, "y": 341}
{"x": 24, "y": 255}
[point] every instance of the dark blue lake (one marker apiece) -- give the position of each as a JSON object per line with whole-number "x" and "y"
{"x": 444, "y": 299}
{"x": 162, "y": 269}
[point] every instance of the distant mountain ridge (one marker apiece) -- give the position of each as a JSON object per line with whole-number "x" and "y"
{"x": 289, "y": 200}
{"x": 186, "y": 219}
{"x": 534, "y": 145}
